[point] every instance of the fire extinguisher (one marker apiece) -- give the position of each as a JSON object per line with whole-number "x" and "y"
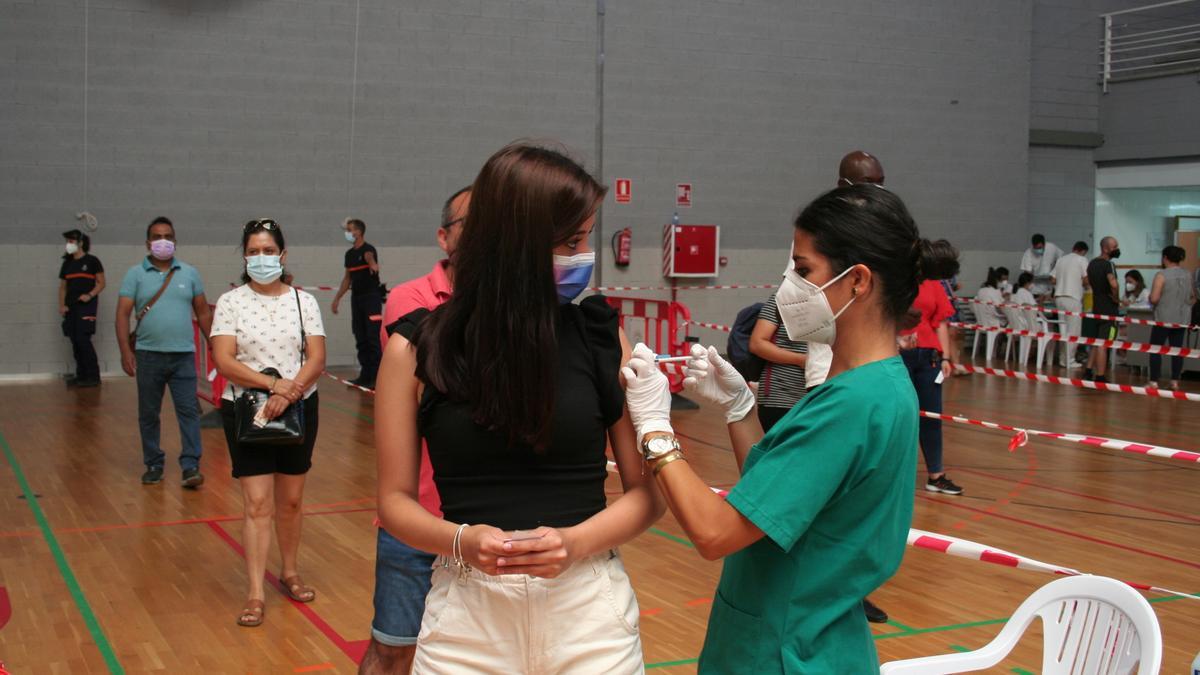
{"x": 622, "y": 244}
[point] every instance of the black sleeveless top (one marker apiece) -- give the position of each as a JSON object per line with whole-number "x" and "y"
{"x": 482, "y": 480}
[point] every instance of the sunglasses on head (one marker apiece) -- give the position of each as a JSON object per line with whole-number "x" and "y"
{"x": 261, "y": 224}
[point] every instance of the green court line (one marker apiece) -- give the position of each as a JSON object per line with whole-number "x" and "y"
{"x": 959, "y": 648}
{"x": 102, "y": 643}
{"x": 940, "y": 629}
{"x": 668, "y": 535}
{"x": 896, "y": 624}
{"x": 668, "y": 664}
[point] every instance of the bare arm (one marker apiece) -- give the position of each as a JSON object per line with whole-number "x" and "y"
{"x": 128, "y": 360}
{"x": 371, "y": 262}
{"x": 100, "y": 285}
{"x": 1156, "y": 289}
{"x": 337, "y": 298}
{"x": 743, "y": 434}
{"x": 716, "y": 528}
{"x": 203, "y": 315}
{"x": 762, "y": 345}
{"x": 224, "y": 349}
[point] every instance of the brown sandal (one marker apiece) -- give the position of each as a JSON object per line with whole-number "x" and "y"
{"x": 254, "y": 610}
{"x": 294, "y": 588}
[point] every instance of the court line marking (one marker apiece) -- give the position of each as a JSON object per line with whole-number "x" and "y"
{"x": 172, "y": 523}
{"x": 1076, "y": 535}
{"x": 353, "y": 650}
{"x": 64, "y": 569}
{"x": 1106, "y": 500}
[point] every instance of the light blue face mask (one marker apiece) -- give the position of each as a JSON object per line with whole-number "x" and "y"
{"x": 572, "y": 275}
{"x": 349, "y": 236}
{"x": 264, "y": 268}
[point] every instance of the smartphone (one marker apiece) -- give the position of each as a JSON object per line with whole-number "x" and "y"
{"x": 941, "y": 377}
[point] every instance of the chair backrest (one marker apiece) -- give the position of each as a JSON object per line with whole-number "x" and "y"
{"x": 1092, "y": 625}
{"x": 1016, "y": 318}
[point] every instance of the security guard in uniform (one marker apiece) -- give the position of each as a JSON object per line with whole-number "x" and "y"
{"x": 82, "y": 279}
{"x": 366, "y": 301}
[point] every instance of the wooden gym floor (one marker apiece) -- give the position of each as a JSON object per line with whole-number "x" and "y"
{"x": 99, "y": 573}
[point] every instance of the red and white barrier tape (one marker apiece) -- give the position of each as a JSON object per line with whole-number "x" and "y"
{"x": 1082, "y": 384}
{"x": 964, "y": 548}
{"x": 714, "y": 326}
{"x": 348, "y": 383}
{"x": 1146, "y": 348}
{"x": 971, "y": 550}
{"x": 1096, "y": 441}
{"x": 1086, "y": 315}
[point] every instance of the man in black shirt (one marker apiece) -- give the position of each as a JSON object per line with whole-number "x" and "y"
{"x": 1102, "y": 277}
{"x": 82, "y": 279}
{"x": 366, "y": 301}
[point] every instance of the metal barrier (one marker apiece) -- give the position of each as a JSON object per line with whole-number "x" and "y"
{"x": 661, "y": 324}
{"x": 1150, "y": 41}
{"x": 206, "y": 371}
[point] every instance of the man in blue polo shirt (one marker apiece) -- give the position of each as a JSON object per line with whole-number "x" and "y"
{"x": 164, "y": 354}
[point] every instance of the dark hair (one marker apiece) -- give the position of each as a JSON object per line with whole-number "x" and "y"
{"x": 1080, "y": 246}
{"x": 1024, "y": 279}
{"x": 447, "y": 208}
{"x": 161, "y": 220}
{"x": 869, "y": 225}
{"x": 493, "y": 344}
{"x": 993, "y": 277}
{"x": 85, "y": 243}
{"x": 1138, "y": 280}
{"x": 357, "y": 224}
{"x": 256, "y": 226}
{"x": 1038, "y": 239}
{"x": 1175, "y": 254}
{"x": 1002, "y": 271}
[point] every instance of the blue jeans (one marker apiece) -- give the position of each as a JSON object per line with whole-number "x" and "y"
{"x": 923, "y": 368}
{"x": 402, "y": 580}
{"x": 177, "y": 370}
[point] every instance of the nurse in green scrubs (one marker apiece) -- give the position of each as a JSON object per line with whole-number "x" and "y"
{"x": 819, "y": 517}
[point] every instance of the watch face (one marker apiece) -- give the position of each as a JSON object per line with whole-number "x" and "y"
{"x": 659, "y": 446}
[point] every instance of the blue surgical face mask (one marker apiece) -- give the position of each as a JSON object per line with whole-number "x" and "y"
{"x": 572, "y": 274}
{"x": 349, "y": 236}
{"x": 264, "y": 268}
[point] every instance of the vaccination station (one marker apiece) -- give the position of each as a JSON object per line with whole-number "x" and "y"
{"x": 600, "y": 337}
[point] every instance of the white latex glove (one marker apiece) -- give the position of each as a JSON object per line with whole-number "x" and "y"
{"x": 647, "y": 393}
{"x": 713, "y": 379}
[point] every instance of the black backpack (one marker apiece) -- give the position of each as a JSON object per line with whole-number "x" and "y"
{"x": 738, "y": 345}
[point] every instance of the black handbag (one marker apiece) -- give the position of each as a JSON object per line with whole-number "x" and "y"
{"x": 288, "y": 428}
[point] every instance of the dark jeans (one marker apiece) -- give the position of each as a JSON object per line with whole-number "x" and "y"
{"x": 177, "y": 370}
{"x": 923, "y": 367}
{"x": 79, "y": 329}
{"x": 1158, "y": 336}
{"x": 366, "y": 313}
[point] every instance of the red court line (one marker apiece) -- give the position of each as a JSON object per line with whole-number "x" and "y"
{"x": 1076, "y": 535}
{"x": 313, "y": 669}
{"x": 353, "y": 650}
{"x": 5, "y": 607}
{"x": 1106, "y": 500}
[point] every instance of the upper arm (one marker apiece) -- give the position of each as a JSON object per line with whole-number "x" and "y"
{"x": 764, "y": 330}
{"x": 200, "y": 304}
{"x": 623, "y": 439}
{"x": 124, "y": 306}
{"x": 397, "y": 442}
{"x": 100, "y": 278}
{"x": 224, "y": 347}
{"x": 1156, "y": 288}
{"x": 369, "y": 256}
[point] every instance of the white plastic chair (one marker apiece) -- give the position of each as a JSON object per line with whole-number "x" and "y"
{"x": 1044, "y": 325}
{"x": 986, "y": 319}
{"x": 1092, "y": 625}
{"x": 1017, "y": 320}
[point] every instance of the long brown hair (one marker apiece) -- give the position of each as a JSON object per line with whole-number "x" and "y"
{"x": 493, "y": 344}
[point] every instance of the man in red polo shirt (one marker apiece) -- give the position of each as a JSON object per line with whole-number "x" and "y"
{"x": 402, "y": 573}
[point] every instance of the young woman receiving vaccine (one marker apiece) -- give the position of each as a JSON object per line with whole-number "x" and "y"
{"x": 515, "y": 390}
{"x": 819, "y": 517}
{"x": 266, "y": 325}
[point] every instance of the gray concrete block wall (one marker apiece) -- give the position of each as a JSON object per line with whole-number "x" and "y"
{"x": 1062, "y": 195}
{"x": 1151, "y": 119}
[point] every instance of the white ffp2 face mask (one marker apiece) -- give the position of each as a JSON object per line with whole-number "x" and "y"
{"x": 805, "y": 310}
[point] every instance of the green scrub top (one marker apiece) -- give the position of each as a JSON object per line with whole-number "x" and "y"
{"x": 831, "y": 486}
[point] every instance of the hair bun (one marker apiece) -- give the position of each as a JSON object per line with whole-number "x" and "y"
{"x": 937, "y": 260}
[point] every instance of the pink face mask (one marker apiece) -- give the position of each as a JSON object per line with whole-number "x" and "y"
{"x": 162, "y": 249}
